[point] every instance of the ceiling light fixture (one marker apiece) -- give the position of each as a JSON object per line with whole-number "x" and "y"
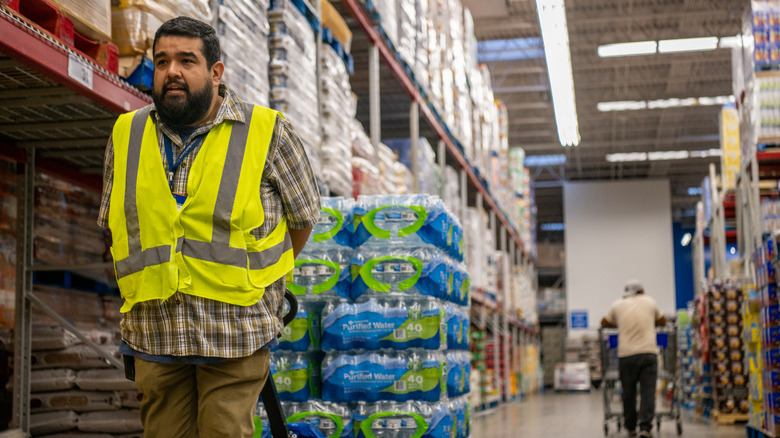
{"x": 667, "y": 46}
{"x": 552, "y": 20}
{"x": 622, "y": 105}
{"x": 631, "y": 105}
{"x": 627, "y": 49}
{"x": 730, "y": 42}
{"x": 627, "y": 156}
{"x": 667, "y": 155}
{"x": 688, "y": 45}
{"x": 661, "y": 155}
{"x": 686, "y": 239}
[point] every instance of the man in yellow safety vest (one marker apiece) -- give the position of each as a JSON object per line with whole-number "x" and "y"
{"x": 208, "y": 200}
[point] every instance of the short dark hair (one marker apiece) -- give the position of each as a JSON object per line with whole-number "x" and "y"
{"x": 192, "y": 28}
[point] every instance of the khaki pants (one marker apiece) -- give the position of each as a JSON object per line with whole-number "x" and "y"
{"x": 202, "y": 401}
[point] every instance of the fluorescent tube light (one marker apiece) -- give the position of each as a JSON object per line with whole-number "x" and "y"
{"x": 686, "y": 239}
{"x": 552, "y": 20}
{"x": 717, "y": 100}
{"x": 667, "y": 155}
{"x": 730, "y": 42}
{"x": 706, "y": 153}
{"x": 628, "y": 156}
{"x": 694, "y": 191}
{"x": 622, "y": 105}
{"x": 671, "y": 103}
{"x": 688, "y": 45}
{"x": 664, "y": 155}
{"x": 627, "y": 49}
{"x": 668, "y": 46}
{"x": 631, "y": 105}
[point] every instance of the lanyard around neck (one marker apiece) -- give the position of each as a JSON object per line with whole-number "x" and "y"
{"x": 189, "y": 147}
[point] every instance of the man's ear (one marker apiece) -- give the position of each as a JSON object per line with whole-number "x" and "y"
{"x": 216, "y": 73}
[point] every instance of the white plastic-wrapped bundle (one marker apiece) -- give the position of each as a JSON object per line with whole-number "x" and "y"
{"x": 451, "y": 196}
{"x": 422, "y": 47}
{"x": 469, "y": 41}
{"x": 366, "y": 177}
{"x": 293, "y": 75}
{"x": 200, "y": 9}
{"x": 428, "y": 172}
{"x": 436, "y": 42}
{"x": 243, "y": 30}
{"x": 477, "y": 98}
{"x": 389, "y": 19}
{"x": 406, "y": 11}
{"x": 395, "y": 179}
{"x": 338, "y": 108}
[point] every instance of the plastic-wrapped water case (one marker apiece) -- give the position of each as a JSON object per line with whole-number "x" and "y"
{"x": 404, "y": 220}
{"x": 458, "y": 322}
{"x": 333, "y": 420}
{"x": 458, "y": 373}
{"x": 322, "y": 273}
{"x": 383, "y": 376}
{"x": 399, "y": 324}
{"x": 406, "y": 420}
{"x": 335, "y": 225}
{"x": 399, "y": 271}
{"x": 296, "y": 375}
{"x": 303, "y": 332}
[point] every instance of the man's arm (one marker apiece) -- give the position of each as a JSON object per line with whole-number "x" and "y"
{"x": 660, "y": 321}
{"x": 606, "y": 324}
{"x": 299, "y": 238}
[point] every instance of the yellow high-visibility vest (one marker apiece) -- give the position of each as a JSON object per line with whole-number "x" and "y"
{"x": 206, "y": 248}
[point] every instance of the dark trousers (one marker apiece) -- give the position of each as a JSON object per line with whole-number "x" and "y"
{"x": 642, "y": 369}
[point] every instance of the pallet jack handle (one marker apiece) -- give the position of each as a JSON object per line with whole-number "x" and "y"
{"x": 276, "y": 419}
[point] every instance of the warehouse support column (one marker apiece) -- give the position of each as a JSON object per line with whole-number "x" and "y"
{"x": 373, "y": 100}
{"x": 508, "y": 302}
{"x": 414, "y": 133}
{"x": 464, "y": 204}
{"x": 441, "y": 158}
{"x": 25, "y": 178}
{"x": 496, "y": 318}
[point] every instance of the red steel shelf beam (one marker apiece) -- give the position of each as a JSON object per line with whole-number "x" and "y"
{"x": 356, "y": 9}
{"x": 28, "y": 47}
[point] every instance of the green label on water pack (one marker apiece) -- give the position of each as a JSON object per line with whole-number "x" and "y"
{"x": 291, "y": 381}
{"x": 295, "y": 331}
{"x": 414, "y": 328}
{"x": 421, "y": 380}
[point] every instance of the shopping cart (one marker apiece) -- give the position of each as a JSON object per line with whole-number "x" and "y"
{"x": 668, "y": 375}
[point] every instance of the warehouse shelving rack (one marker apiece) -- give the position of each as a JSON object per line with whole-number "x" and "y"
{"x": 57, "y": 108}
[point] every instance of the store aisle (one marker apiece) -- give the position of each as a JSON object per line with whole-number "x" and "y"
{"x": 578, "y": 415}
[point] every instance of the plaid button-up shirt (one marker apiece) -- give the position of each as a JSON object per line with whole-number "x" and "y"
{"x": 186, "y": 325}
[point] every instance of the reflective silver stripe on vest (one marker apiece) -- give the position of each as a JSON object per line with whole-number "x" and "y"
{"x": 265, "y": 259}
{"x": 138, "y": 258}
{"x": 219, "y": 250}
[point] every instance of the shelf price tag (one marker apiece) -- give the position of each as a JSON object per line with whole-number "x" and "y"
{"x": 80, "y": 71}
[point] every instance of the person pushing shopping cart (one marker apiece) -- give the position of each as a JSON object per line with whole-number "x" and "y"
{"x": 635, "y": 316}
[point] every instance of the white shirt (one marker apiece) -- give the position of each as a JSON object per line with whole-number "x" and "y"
{"x": 635, "y": 318}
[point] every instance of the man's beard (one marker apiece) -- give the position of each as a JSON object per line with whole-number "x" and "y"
{"x": 178, "y": 113}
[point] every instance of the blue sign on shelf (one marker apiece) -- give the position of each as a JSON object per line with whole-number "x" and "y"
{"x": 579, "y": 319}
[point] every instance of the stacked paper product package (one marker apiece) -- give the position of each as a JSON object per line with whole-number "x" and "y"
{"x": 293, "y": 75}
{"x": 242, "y": 26}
